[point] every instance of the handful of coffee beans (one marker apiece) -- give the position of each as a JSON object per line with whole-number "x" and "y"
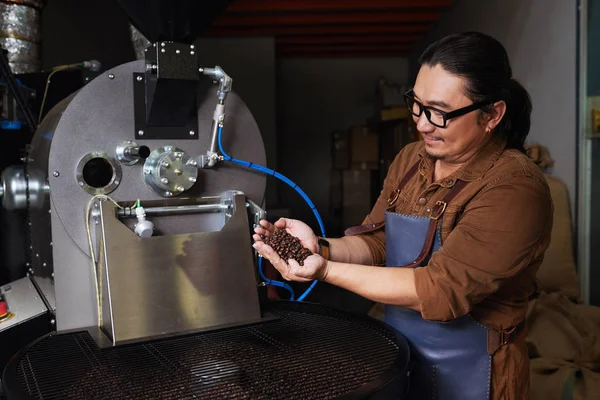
{"x": 287, "y": 246}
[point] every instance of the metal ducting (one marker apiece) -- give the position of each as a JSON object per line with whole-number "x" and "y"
{"x": 172, "y": 20}
{"x": 20, "y": 34}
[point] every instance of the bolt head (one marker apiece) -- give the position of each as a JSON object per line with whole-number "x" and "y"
{"x": 192, "y": 52}
{"x": 141, "y": 132}
{"x": 56, "y": 174}
{"x": 168, "y": 194}
{"x": 192, "y": 179}
{"x": 164, "y": 180}
{"x": 180, "y": 188}
{"x": 192, "y": 133}
{"x": 111, "y": 76}
{"x": 139, "y": 78}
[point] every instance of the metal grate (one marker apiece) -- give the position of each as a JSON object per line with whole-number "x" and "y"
{"x": 309, "y": 352}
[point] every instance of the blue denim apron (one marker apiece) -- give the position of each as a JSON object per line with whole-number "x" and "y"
{"x": 450, "y": 359}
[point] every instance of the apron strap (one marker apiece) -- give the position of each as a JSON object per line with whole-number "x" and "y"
{"x": 496, "y": 339}
{"x": 434, "y": 217}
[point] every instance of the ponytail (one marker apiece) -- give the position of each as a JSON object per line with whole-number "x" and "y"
{"x": 516, "y": 122}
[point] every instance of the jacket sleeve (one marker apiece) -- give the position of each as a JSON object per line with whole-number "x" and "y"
{"x": 501, "y": 231}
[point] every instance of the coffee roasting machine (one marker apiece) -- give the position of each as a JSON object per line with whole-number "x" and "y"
{"x": 142, "y": 268}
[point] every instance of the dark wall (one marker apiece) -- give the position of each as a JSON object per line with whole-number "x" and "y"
{"x": 316, "y": 97}
{"x": 75, "y": 31}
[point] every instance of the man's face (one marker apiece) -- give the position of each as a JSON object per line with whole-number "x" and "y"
{"x": 463, "y": 136}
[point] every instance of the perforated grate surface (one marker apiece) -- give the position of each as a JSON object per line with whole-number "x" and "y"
{"x": 309, "y": 352}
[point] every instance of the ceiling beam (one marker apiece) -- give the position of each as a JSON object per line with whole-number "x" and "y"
{"x": 314, "y": 48}
{"x": 282, "y": 31}
{"x": 333, "y": 5}
{"x": 291, "y": 40}
{"x": 341, "y": 54}
{"x": 323, "y": 18}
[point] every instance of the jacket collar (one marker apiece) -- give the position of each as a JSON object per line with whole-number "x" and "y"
{"x": 474, "y": 170}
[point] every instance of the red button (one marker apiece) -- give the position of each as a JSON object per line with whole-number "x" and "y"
{"x": 3, "y": 309}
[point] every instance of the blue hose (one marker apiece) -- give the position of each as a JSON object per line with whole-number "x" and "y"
{"x": 272, "y": 282}
{"x": 283, "y": 178}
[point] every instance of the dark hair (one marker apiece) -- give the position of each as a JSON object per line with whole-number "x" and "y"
{"x": 483, "y": 62}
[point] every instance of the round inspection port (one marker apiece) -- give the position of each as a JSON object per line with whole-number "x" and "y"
{"x": 98, "y": 173}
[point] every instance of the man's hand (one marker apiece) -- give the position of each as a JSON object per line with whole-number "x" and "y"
{"x": 292, "y": 226}
{"x": 315, "y": 266}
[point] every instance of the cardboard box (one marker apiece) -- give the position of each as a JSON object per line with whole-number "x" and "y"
{"x": 364, "y": 148}
{"x": 393, "y": 113}
{"x": 357, "y": 199}
{"x": 340, "y": 148}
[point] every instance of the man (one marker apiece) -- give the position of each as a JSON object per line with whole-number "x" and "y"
{"x": 462, "y": 224}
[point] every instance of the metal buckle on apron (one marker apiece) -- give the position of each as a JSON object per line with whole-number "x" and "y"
{"x": 393, "y": 197}
{"x": 506, "y": 335}
{"x": 438, "y": 209}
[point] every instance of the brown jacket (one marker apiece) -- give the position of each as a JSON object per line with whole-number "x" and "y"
{"x": 494, "y": 234}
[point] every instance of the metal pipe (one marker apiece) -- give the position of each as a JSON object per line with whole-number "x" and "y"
{"x": 174, "y": 210}
{"x": 20, "y": 34}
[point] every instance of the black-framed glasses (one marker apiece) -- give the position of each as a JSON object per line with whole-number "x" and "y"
{"x": 437, "y": 117}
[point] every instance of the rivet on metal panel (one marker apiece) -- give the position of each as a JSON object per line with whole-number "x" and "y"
{"x": 111, "y": 76}
{"x": 56, "y": 174}
{"x": 141, "y": 132}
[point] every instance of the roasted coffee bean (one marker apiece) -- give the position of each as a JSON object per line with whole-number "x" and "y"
{"x": 287, "y": 246}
